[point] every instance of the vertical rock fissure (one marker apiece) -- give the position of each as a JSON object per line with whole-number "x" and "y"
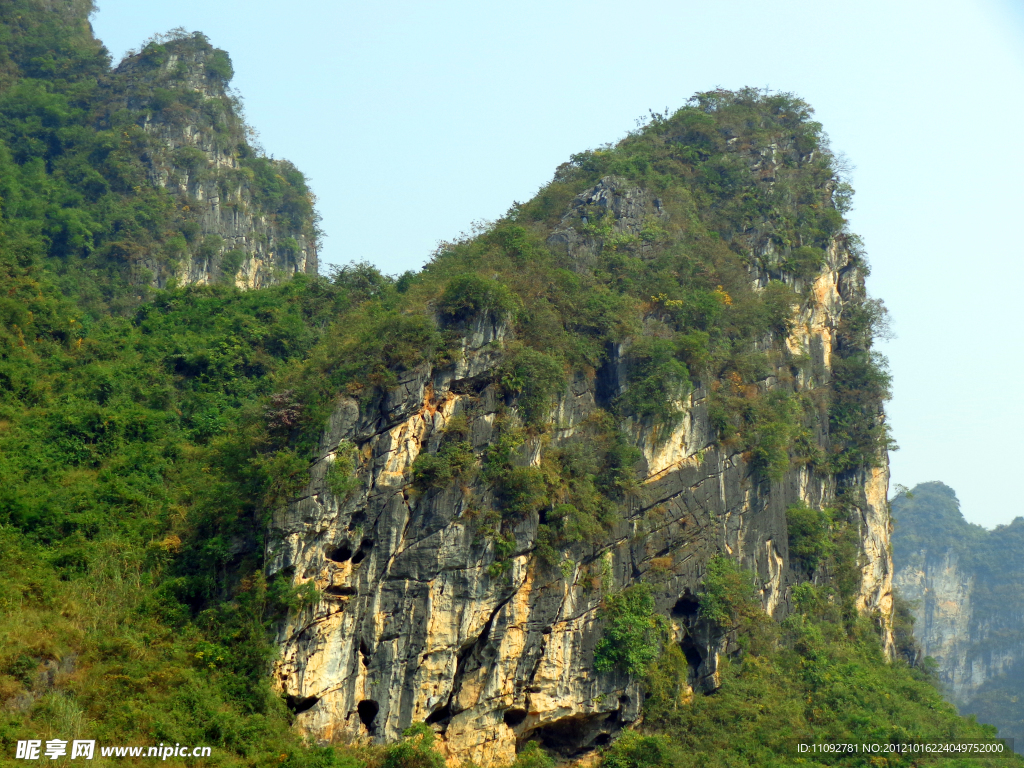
{"x": 699, "y": 492}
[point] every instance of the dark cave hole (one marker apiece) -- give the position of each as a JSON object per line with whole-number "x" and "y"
{"x": 686, "y": 607}
{"x": 441, "y": 714}
{"x": 364, "y": 651}
{"x": 514, "y": 717}
{"x": 472, "y": 386}
{"x": 608, "y": 375}
{"x": 693, "y": 656}
{"x": 603, "y": 740}
{"x": 340, "y": 554}
{"x": 299, "y": 704}
{"x": 364, "y": 546}
{"x": 367, "y": 709}
{"x": 569, "y": 736}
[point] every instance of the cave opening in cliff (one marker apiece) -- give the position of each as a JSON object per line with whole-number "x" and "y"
{"x": 367, "y": 709}
{"x": 693, "y": 656}
{"x": 364, "y": 547}
{"x": 299, "y": 704}
{"x": 570, "y": 736}
{"x": 440, "y": 715}
{"x": 514, "y": 716}
{"x": 340, "y": 553}
{"x": 686, "y": 606}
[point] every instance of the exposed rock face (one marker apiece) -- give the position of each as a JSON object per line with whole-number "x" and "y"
{"x": 626, "y": 211}
{"x": 179, "y": 90}
{"x": 941, "y": 593}
{"x": 422, "y": 618}
{"x": 964, "y": 585}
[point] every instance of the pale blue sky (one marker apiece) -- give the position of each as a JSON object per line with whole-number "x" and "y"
{"x": 413, "y": 120}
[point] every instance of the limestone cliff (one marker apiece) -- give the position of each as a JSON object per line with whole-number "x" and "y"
{"x": 964, "y": 587}
{"x": 424, "y": 614}
{"x": 248, "y": 219}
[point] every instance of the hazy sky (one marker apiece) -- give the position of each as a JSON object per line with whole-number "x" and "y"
{"x": 412, "y": 120}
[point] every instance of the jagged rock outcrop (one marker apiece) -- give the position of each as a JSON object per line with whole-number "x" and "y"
{"x": 423, "y": 617}
{"x": 613, "y": 211}
{"x": 250, "y": 219}
{"x": 963, "y": 584}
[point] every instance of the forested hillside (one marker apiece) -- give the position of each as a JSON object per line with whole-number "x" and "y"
{"x": 964, "y": 586}
{"x": 649, "y": 391}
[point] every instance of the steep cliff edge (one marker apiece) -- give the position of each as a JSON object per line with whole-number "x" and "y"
{"x": 643, "y": 374}
{"x": 139, "y": 177}
{"x": 578, "y": 460}
{"x": 964, "y": 587}
{"x": 247, "y": 218}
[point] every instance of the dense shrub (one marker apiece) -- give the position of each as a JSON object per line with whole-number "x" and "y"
{"x": 805, "y": 261}
{"x": 809, "y": 535}
{"x": 532, "y": 756}
{"x": 218, "y": 66}
{"x": 415, "y": 750}
{"x": 633, "y": 632}
{"x": 769, "y": 426}
{"x": 773, "y": 423}
{"x": 858, "y": 431}
{"x": 522, "y": 490}
{"x": 535, "y": 378}
{"x": 341, "y": 473}
{"x": 366, "y": 354}
{"x": 438, "y": 470}
{"x": 470, "y": 296}
{"x": 633, "y": 750}
{"x": 231, "y": 262}
{"x": 727, "y": 593}
{"x": 657, "y": 380}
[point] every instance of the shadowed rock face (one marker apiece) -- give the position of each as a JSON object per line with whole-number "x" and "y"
{"x": 420, "y": 620}
{"x": 964, "y": 586}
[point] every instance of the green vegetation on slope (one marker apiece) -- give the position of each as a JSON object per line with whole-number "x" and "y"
{"x": 146, "y": 436}
{"x": 818, "y": 677}
{"x": 815, "y": 678}
{"x": 132, "y": 493}
{"x": 75, "y": 161}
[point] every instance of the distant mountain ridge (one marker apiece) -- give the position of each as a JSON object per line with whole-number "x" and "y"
{"x": 966, "y": 588}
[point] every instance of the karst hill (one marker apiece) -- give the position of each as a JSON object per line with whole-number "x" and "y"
{"x": 605, "y": 481}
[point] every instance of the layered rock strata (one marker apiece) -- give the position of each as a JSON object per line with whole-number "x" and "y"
{"x": 423, "y": 619}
